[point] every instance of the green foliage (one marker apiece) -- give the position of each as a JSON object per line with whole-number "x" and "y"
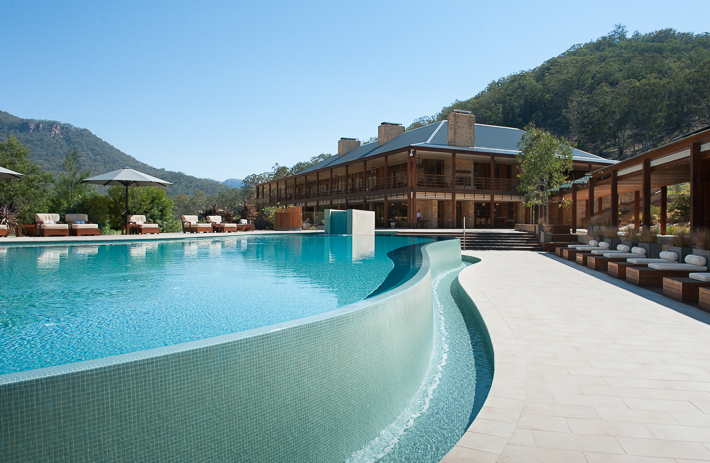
{"x": 31, "y": 193}
{"x": 246, "y": 211}
{"x": 8, "y": 217}
{"x": 95, "y": 205}
{"x": 152, "y": 202}
{"x": 544, "y": 162}
{"x": 266, "y": 216}
{"x": 49, "y": 141}
{"x": 616, "y": 96}
{"x": 68, "y": 186}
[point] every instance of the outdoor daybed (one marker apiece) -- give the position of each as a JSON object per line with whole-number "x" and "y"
{"x": 79, "y": 225}
{"x": 136, "y": 224}
{"x": 244, "y": 225}
{"x": 191, "y": 225}
{"x": 601, "y": 262}
{"x": 217, "y": 226}
{"x": 570, "y": 253}
{"x": 582, "y": 253}
{"x": 49, "y": 225}
{"x": 656, "y": 271}
{"x": 686, "y": 289}
{"x": 618, "y": 269}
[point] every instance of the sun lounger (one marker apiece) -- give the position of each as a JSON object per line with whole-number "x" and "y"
{"x": 137, "y": 224}
{"x": 686, "y": 289}
{"x": 244, "y": 225}
{"x": 584, "y": 252}
{"x": 619, "y": 269}
{"x": 570, "y": 253}
{"x": 49, "y": 225}
{"x": 704, "y": 299}
{"x": 79, "y": 225}
{"x": 191, "y": 225}
{"x": 217, "y": 226}
{"x": 601, "y": 262}
{"x": 656, "y": 271}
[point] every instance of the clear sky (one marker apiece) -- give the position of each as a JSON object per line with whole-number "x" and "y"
{"x": 225, "y": 89}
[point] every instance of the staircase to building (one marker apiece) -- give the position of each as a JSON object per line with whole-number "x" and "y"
{"x": 485, "y": 240}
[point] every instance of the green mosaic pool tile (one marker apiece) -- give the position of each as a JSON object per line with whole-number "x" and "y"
{"x": 311, "y": 392}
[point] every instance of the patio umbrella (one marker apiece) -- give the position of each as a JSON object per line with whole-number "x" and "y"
{"x": 126, "y": 177}
{"x": 7, "y": 173}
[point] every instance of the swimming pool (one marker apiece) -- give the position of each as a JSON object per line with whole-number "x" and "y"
{"x": 314, "y": 389}
{"x": 63, "y": 304}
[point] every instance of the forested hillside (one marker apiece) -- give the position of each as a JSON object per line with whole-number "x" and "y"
{"x": 50, "y": 141}
{"x": 616, "y": 97}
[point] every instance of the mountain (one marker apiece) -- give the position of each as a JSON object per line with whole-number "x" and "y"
{"x": 616, "y": 97}
{"x": 49, "y": 141}
{"x": 233, "y": 183}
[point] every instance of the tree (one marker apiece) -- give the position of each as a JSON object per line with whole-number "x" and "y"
{"x": 68, "y": 187}
{"x": 152, "y": 202}
{"x": 29, "y": 194}
{"x": 544, "y": 162}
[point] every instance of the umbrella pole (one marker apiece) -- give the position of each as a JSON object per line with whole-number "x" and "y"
{"x": 126, "y": 209}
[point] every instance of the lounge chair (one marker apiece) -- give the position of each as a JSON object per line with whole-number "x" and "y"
{"x": 136, "y": 224}
{"x": 244, "y": 225}
{"x": 686, "y": 289}
{"x": 79, "y": 225}
{"x": 560, "y": 249}
{"x": 191, "y": 225}
{"x": 584, "y": 252}
{"x": 217, "y": 226}
{"x": 570, "y": 253}
{"x": 599, "y": 260}
{"x": 618, "y": 269}
{"x": 656, "y": 271}
{"x": 49, "y": 225}
{"x": 3, "y": 229}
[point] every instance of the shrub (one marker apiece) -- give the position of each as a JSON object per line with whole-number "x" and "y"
{"x": 701, "y": 238}
{"x": 609, "y": 232}
{"x": 648, "y": 235}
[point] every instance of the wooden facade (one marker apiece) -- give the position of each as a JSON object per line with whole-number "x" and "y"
{"x": 686, "y": 160}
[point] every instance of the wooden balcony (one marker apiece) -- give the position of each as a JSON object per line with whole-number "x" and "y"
{"x": 392, "y": 186}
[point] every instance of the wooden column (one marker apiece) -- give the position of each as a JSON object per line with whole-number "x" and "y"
{"x": 385, "y": 213}
{"x": 409, "y": 189}
{"x": 493, "y": 173}
{"x": 493, "y": 208}
{"x": 646, "y": 186}
{"x": 347, "y": 185}
{"x": 330, "y": 188}
{"x": 278, "y": 193}
{"x": 664, "y": 208}
{"x": 527, "y": 214}
{"x": 696, "y": 199}
{"x": 269, "y": 193}
{"x": 614, "y": 199}
{"x": 591, "y": 199}
{"x": 600, "y": 205}
{"x": 560, "y": 211}
{"x": 574, "y": 208}
{"x": 636, "y": 209}
{"x": 588, "y": 212}
{"x": 453, "y": 170}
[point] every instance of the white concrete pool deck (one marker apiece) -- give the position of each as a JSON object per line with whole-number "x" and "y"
{"x": 588, "y": 368}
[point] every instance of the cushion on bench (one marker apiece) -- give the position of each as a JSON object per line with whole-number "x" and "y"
{"x": 677, "y": 266}
{"x": 704, "y": 277}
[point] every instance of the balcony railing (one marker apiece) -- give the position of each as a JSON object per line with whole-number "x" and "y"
{"x": 442, "y": 182}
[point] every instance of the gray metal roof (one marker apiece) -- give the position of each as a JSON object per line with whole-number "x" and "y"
{"x": 489, "y": 139}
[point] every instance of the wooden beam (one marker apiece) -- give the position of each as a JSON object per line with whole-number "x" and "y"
{"x": 646, "y": 191}
{"x": 493, "y": 207}
{"x": 591, "y": 198}
{"x": 696, "y": 200}
{"x": 637, "y": 202}
{"x": 385, "y": 211}
{"x": 574, "y": 208}
{"x": 614, "y": 199}
{"x": 664, "y": 208}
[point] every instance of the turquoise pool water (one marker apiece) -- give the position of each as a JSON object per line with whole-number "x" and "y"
{"x": 63, "y": 304}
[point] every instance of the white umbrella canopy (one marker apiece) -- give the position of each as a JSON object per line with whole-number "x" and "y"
{"x": 126, "y": 177}
{"x": 7, "y": 173}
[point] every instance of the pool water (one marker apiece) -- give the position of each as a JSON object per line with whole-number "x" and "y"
{"x": 63, "y": 304}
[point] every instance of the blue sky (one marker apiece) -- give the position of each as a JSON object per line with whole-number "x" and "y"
{"x": 224, "y": 89}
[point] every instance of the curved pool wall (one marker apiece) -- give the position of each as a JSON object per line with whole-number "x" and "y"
{"x": 316, "y": 389}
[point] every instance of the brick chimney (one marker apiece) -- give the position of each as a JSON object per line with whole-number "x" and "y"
{"x": 346, "y": 145}
{"x": 461, "y": 128}
{"x": 387, "y": 131}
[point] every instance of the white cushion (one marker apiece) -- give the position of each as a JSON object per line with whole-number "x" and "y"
{"x": 625, "y": 255}
{"x": 677, "y": 266}
{"x": 692, "y": 259}
{"x": 645, "y": 260}
{"x": 84, "y": 226}
{"x": 639, "y": 251}
{"x": 593, "y": 242}
{"x": 605, "y": 245}
{"x": 623, "y": 248}
{"x": 3, "y": 226}
{"x": 704, "y": 277}
{"x": 669, "y": 255}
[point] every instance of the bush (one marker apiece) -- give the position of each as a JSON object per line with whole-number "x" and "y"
{"x": 152, "y": 202}
{"x": 701, "y": 238}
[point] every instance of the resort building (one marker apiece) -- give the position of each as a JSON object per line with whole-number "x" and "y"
{"x": 448, "y": 172}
